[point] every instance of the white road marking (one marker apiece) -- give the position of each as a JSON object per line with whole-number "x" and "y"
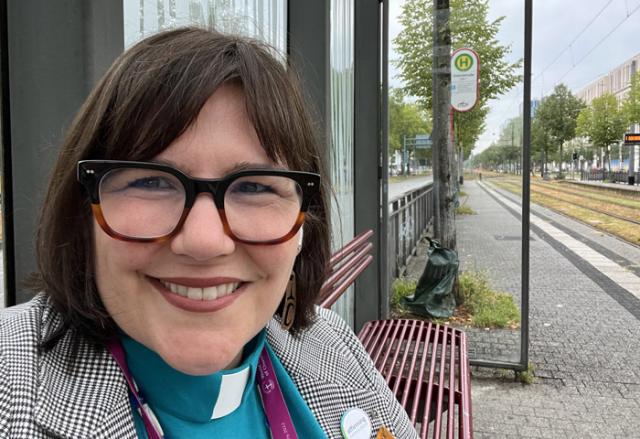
{"x": 614, "y": 271}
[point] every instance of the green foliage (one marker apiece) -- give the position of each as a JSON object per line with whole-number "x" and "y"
{"x": 557, "y": 119}
{"x": 603, "y": 122}
{"x": 527, "y": 376}
{"x": 405, "y": 119}
{"x": 631, "y": 104}
{"x": 401, "y": 288}
{"x": 607, "y": 123}
{"x": 558, "y": 113}
{"x": 469, "y": 125}
{"x": 506, "y": 151}
{"x": 489, "y": 308}
{"x": 541, "y": 142}
{"x": 583, "y": 122}
{"x": 470, "y": 27}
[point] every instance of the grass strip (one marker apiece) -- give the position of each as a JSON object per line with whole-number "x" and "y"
{"x": 483, "y": 307}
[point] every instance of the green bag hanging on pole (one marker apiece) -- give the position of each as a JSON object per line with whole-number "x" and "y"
{"x": 434, "y": 293}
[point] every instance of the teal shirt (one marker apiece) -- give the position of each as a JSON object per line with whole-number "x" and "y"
{"x": 184, "y": 403}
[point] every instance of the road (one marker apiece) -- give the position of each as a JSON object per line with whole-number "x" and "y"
{"x": 401, "y": 187}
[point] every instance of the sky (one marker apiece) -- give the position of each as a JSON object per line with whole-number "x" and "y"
{"x": 574, "y": 42}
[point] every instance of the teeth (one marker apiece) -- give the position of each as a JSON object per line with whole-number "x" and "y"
{"x": 194, "y": 293}
{"x": 208, "y": 293}
{"x": 211, "y": 293}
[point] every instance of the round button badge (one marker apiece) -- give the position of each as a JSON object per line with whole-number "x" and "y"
{"x": 355, "y": 424}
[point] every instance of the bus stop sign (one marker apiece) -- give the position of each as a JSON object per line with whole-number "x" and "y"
{"x": 465, "y": 72}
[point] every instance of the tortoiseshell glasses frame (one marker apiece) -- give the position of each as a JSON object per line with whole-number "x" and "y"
{"x": 91, "y": 172}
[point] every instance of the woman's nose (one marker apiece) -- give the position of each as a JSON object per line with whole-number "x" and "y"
{"x": 202, "y": 236}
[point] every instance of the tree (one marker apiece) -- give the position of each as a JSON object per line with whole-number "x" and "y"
{"x": 510, "y": 143}
{"x": 405, "y": 119}
{"x": 557, "y": 114}
{"x": 631, "y": 104}
{"x": 583, "y": 128}
{"x": 540, "y": 143}
{"x": 469, "y": 125}
{"x": 492, "y": 157}
{"x": 583, "y": 122}
{"x": 470, "y": 27}
{"x": 603, "y": 123}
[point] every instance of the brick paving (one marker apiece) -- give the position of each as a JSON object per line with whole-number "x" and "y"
{"x": 584, "y": 344}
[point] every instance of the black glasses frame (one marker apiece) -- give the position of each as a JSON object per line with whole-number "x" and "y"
{"x": 91, "y": 172}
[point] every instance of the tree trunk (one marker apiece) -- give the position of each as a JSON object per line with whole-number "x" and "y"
{"x": 444, "y": 224}
{"x": 461, "y": 165}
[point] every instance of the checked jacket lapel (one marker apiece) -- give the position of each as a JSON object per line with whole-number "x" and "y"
{"x": 88, "y": 400}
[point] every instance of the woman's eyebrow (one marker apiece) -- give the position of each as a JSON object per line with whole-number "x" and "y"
{"x": 242, "y": 166}
{"x": 164, "y": 162}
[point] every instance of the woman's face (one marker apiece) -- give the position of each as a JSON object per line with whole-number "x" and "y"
{"x": 132, "y": 277}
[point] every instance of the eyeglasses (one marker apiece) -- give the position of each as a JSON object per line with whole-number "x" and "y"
{"x": 149, "y": 202}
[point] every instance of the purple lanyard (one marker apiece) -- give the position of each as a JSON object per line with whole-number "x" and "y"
{"x": 273, "y": 402}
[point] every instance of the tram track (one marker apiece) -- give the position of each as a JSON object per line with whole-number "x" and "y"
{"x": 627, "y": 228}
{"x": 549, "y": 187}
{"x": 627, "y": 203}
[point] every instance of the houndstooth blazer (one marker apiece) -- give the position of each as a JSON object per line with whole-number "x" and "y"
{"x": 41, "y": 397}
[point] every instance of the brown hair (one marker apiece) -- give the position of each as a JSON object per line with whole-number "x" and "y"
{"x": 149, "y": 96}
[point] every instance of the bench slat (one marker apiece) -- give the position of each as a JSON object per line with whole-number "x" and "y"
{"x": 401, "y": 368}
{"x": 432, "y": 374}
{"x": 423, "y": 361}
{"x": 357, "y": 241}
{"x": 350, "y": 261}
{"x": 452, "y": 387}
{"x": 346, "y": 283}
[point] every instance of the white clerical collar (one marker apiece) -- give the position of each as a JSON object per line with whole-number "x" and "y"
{"x": 232, "y": 388}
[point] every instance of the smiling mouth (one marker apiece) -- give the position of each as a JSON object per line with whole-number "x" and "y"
{"x": 204, "y": 294}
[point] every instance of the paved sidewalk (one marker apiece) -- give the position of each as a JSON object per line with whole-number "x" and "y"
{"x": 584, "y": 329}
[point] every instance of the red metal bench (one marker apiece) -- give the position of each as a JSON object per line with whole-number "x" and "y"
{"x": 345, "y": 266}
{"x": 425, "y": 365}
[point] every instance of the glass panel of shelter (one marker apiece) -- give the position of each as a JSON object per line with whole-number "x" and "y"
{"x": 489, "y": 189}
{"x": 341, "y": 154}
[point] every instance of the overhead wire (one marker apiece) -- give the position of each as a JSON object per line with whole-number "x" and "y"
{"x": 540, "y": 75}
{"x": 616, "y": 27}
{"x": 574, "y": 39}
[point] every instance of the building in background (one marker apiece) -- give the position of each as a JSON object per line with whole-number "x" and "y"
{"x": 617, "y": 82}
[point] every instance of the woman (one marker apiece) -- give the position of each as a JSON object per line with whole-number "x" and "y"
{"x": 185, "y": 211}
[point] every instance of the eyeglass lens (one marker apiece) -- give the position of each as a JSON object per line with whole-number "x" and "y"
{"x": 148, "y": 203}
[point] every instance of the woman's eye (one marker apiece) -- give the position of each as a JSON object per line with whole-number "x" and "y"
{"x": 252, "y": 187}
{"x": 151, "y": 183}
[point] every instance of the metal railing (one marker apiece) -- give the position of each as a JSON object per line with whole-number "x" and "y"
{"x": 409, "y": 216}
{"x": 611, "y": 176}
